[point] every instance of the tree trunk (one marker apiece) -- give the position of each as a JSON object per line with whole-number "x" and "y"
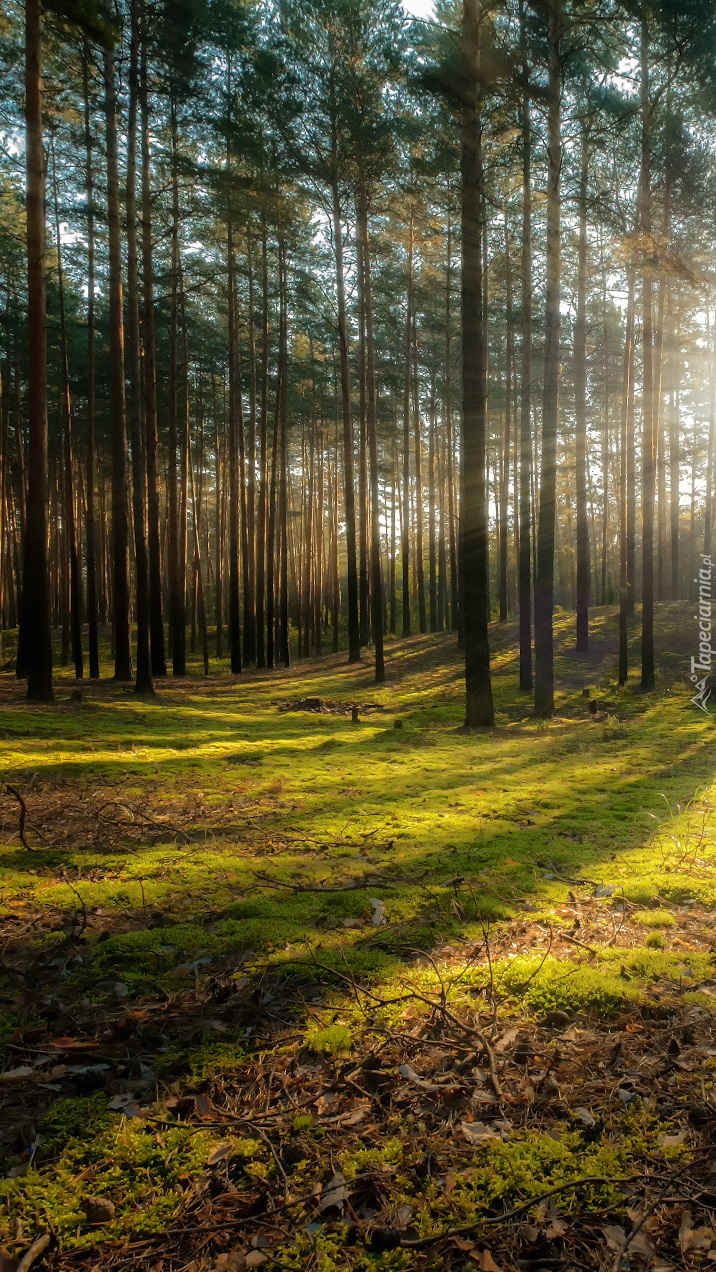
{"x": 149, "y": 385}
{"x": 261, "y": 549}
{"x": 68, "y": 492}
{"x": 580, "y": 408}
{"x": 232, "y": 438}
{"x": 648, "y": 448}
{"x": 405, "y": 520}
{"x": 474, "y": 512}
{"x": 505, "y": 465}
{"x": 144, "y": 682}
{"x": 544, "y": 586}
{"x": 120, "y": 511}
{"x": 348, "y": 463}
{"x": 90, "y": 525}
{"x": 35, "y": 640}
{"x": 372, "y": 442}
{"x": 525, "y": 505}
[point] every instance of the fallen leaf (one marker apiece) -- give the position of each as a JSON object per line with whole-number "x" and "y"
{"x": 584, "y": 1116}
{"x": 477, "y": 1132}
{"x": 614, "y": 1236}
{"x": 335, "y": 1193}
{"x": 219, "y": 1154}
{"x": 557, "y": 1228}
{"x": 691, "y": 1238}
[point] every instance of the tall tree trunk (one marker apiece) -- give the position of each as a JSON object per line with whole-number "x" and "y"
{"x": 627, "y": 426}
{"x": 35, "y": 640}
{"x": 348, "y": 461}
{"x": 432, "y": 527}
{"x": 648, "y": 448}
{"x": 580, "y": 407}
{"x": 405, "y": 519}
{"x": 250, "y": 619}
{"x": 505, "y": 465}
{"x": 674, "y": 477}
{"x": 284, "y": 648}
{"x": 544, "y": 585}
{"x": 364, "y": 598}
{"x": 176, "y": 581}
{"x": 144, "y": 682}
{"x": 68, "y": 491}
{"x": 475, "y": 602}
{"x": 372, "y": 442}
{"x": 418, "y": 441}
{"x": 232, "y": 438}
{"x": 149, "y": 385}
{"x": 711, "y": 448}
{"x": 449, "y": 438}
{"x": 261, "y": 547}
{"x": 195, "y": 516}
{"x": 90, "y": 523}
{"x": 525, "y": 505}
{"x": 120, "y": 510}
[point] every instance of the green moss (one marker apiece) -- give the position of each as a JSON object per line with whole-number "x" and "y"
{"x": 656, "y": 919}
{"x": 559, "y": 986}
{"x": 328, "y": 1040}
{"x": 655, "y": 941}
{"x": 129, "y": 1162}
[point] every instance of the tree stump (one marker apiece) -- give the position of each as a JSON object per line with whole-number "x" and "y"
{"x": 354, "y": 715}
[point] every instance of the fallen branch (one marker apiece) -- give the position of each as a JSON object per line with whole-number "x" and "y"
{"x": 36, "y": 1249}
{"x": 12, "y": 790}
{"x": 358, "y": 885}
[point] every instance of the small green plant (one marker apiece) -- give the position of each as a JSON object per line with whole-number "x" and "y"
{"x": 656, "y": 919}
{"x": 557, "y": 986}
{"x": 329, "y": 1040}
{"x": 655, "y": 941}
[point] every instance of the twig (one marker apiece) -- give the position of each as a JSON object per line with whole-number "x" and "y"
{"x": 649, "y": 1211}
{"x": 358, "y": 885}
{"x": 38, "y": 1246}
{"x": 567, "y": 936}
{"x": 12, "y": 790}
{"x": 64, "y": 878}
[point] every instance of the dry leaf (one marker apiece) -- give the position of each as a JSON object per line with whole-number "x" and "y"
{"x": 219, "y": 1154}
{"x": 477, "y": 1132}
{"x": 485, "y": 1261}
{"x": 614, "y": 1236}
{"x": 335, "y": 1194}
{"x": 691, "y": 1238}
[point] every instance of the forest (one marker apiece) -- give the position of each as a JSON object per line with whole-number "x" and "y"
{"x": 357, "y": 471}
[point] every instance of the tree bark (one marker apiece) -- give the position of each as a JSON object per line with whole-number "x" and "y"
{"x": 149, "y": 386}
{"x": 580, "y": 407}
{"x": 90, "y": 520}
{"x": 648, "y": 447}
{"x": 544, "y": 584}
{"x": 479, "y": 710}
{"x": 120, "y": 510}
{"x": 68, "y": 492}
{"x": 525, "y": 463}
{"x": 144, "y": 682}
{"x": 35, "y": 640}
{"x": 372, "y": 442}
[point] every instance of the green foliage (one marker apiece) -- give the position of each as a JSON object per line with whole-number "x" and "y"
{"x": 328, "y": 1040}
{"x": 655, "y": 941}
{"x": 656, "y": 919}
{"x": 559, "y": 986}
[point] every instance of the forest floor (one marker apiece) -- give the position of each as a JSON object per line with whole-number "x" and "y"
{"x": 283, "y": 990}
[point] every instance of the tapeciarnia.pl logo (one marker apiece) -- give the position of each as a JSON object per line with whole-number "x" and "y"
{"x": 701, "y": 666}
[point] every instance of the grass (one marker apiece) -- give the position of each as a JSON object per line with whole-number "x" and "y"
{"x": 178, "y": 828}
